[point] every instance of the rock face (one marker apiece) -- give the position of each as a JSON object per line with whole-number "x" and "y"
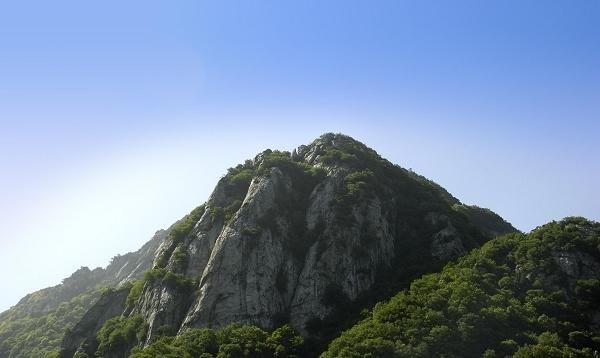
{"x": 83, "y": 335}
{"x": 133, "y": 265}
{"x": 298, "y": 237}
{"x": 302, "y": 238}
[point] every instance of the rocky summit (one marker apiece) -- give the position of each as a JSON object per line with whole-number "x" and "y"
{"x": 307, "y": 239}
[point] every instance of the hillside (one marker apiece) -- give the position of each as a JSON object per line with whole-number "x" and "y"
{"x": 307, "y": 238}
{"x": 36, "y": 325}
{"x": 533, "y": 295}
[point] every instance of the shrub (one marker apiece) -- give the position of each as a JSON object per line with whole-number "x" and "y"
{"x": 179, "y": 259}
{"x": 183, "y": 227}
{"x": 232, "y": 341}
{"x": 120, "y": 334}
{"x": 134, "y": 292}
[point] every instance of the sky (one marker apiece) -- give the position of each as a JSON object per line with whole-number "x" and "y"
{"x": 118, "y": 117}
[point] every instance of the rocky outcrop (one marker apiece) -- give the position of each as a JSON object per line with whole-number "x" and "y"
{"x": 82, "y": 337}
{"x": 163, "y": 308}
{"x": 446, "y": 243}
{"x": 133, "y": 265}
{"x": 577, "y": 265}
{"x": 306, "y": 234}
{"x": 237, "y": 283}
{"x": 300, "y": 238}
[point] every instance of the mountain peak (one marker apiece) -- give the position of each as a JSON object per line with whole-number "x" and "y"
{"x": 332, "y": 149}
{"x": 305, "y": 238}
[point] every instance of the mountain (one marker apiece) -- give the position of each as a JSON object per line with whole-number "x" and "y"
{"x": 35, "y": 326}
{"x": 308, "y": 239}
{"x": 533, "y": 295}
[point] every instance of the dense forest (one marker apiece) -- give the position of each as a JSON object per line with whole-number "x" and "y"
{"x": 527, "y": 295}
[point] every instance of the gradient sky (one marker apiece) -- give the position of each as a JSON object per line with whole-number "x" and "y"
{"x": 118, "y": 117}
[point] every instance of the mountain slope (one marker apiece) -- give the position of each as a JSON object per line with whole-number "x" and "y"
{"x": 534, "y": 295}
{"x": 35, "y": 326}
{"x": 306, "y": 238}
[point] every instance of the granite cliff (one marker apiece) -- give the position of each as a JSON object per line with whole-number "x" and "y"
{"x": 303, "y": 238}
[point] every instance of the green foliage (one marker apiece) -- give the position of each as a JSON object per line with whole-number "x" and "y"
{"x": 285, "y": 342}
{"x": 183, "y": 227}
{"x": 589, "y": 291}
{"x": 154, "y": 275}
{"x": 356, "y": 182}
{"x": 484, "y": 218}
{"x": 134, "y": 292}
{"x": 356, "y": 187}
{"x": 336, "y": 156}
{"x": 304, "y": 175}
{"x": 238, "y": 179}
{"x": 251, "y": 231}
{"x": 279, "y": 159}
{"x": 180, "y": 259}
{"x": 232, "y": 341}
{"x": 25, "y": 334}
{"x": 119, "y": 335}
{"x": 506, "y": 298}
{"x": 174, "y": 280}
{"x": 241, "y": 178}
{"x": 231, "y": 209}
{"x": 216, "y": 214}
{"x": 348, "y": 153}
{"x": 404, "y": 197}
{"x": 178, "y": 232}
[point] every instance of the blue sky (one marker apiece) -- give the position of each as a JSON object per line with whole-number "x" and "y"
{"x": 118, "y": 117}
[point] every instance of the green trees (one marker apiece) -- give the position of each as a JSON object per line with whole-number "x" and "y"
{"x": 178, "y": 232}
{"x": 134, "y": 292}
{"x": 25, "y": 334}
{"x": 233, "y": 341}
{"x": 118, "y": 335}
{"x": 514, "y": 296}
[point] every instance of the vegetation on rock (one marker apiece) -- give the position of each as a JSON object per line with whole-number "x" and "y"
{"x": 118, "y": 335}
{"x": 232, "y": 341}
{"x": 523, "y": 295}
{"x": 516, "y": 295}
{"x": 38, "y": 334}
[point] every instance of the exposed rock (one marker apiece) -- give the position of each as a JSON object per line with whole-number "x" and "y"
{"x": 82, "y": 337}
{"x": 237, "y": 283}
{"x": 264, "y": 266}
{"x": 133, "y": 265}
{"x": 306, "y": 235}
{"x": 577, "y": 265}
{"x": 447, "y": 244}
{"x": 162, "y": 306}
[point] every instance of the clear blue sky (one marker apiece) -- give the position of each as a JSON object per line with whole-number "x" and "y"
{"x": 117, "y": 117}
